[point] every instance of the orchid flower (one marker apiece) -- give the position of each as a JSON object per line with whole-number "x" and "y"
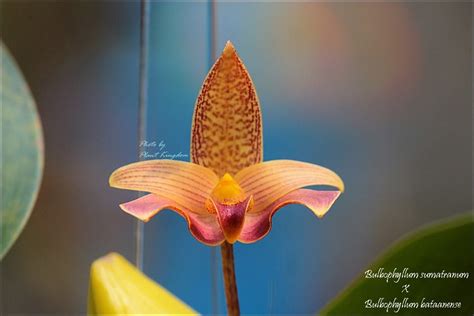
{"x": 118, "y": 288}
{"x": 226, "y": 193}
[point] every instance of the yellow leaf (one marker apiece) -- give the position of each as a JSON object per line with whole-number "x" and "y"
{"x": 118, "y": 288}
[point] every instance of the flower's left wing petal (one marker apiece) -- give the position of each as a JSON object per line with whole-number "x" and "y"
{"x": 271, "y": 180}
{"x": 258, "y": 224}
{"x": 204, "y": 227}
{"x": 118, "y": 288}
{"x": 185, "y": 183}
{"x": 146, "y": 206}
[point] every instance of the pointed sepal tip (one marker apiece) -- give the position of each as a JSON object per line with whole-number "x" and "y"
{"x": 229, "y": 49}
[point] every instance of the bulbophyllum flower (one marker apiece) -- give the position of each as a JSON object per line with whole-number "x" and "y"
{"x": 226, "y": 193}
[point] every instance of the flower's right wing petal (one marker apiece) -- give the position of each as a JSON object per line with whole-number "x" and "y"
{"x": 204, "y": 227}
{"x": 258, "y": 224}
{"x": 185, "y": 183}
{"x": 271, "y": 180}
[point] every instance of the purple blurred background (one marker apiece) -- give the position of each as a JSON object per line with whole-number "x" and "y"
{"x": 379, "y": 92}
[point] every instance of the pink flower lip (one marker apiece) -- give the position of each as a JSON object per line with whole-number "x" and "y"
{"x": 231, "y": 217}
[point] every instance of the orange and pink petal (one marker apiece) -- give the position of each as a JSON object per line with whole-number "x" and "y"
{"x": 204, "y": 227}
{"x": 271, "y": 180}
{"x": 258, "y": 224}
{"x": 185, "y": 183}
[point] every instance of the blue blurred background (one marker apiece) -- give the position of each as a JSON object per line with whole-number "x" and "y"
{"x": 378, "y": 92}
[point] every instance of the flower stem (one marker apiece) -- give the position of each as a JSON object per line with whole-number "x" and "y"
{"x": 230, "y": 285}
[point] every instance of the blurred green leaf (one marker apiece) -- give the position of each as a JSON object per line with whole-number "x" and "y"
{"x": 22, "y": 151}
{"x": 446, "y": 245}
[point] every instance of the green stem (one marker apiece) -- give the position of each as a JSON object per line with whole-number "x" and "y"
{"x": 230, "y": 285}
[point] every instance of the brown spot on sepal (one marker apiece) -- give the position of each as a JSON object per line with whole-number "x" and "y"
{"x": 227, "y": 117}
